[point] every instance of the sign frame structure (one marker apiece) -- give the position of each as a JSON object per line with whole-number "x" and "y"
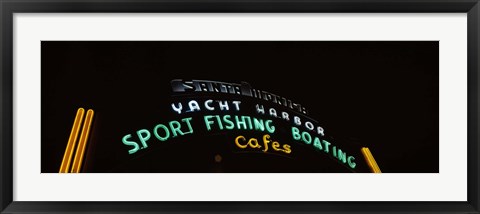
{"x": 9, "y": 7}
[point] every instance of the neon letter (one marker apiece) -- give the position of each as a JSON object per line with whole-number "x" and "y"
{"x": 207, "y": 120}
{"x": 272, "y": 112}
{"x": 309, "y": 125}
{"x": 242, "y": 122}
{"x": 351, "y": 163}
{"x": 317, "y": 144}
{"x": 266, "y": 141}
{"x": 260, "y": 109}
{"x": 297, "y": 121}
{"x": 143, "y": 138}
{"x": 177, "y": 109}
{"x": 306, "y": 137}
{"x": 229, "y": 123}
{"x": 342, "y": 156}
{"x": 327, "y": 144}
{"x": 223, "y": 106}
{"x": 193, "y": 106}
{"x": 207, "y": 105}
{"x": 238, "y": 143}
{"x": 237, "y": 105}
{"x": 259, "y": 125}
{"x": 269, "y": 126}
{"x": 187, "y": 120}
{"x": 155, "y": 132}
{"x": 296, "y": 133}
{"x": 285, "y": 116}
{"x": 175, "y": 127}
{"x": 320, "y": 131}
{"x": 130, "y": 143}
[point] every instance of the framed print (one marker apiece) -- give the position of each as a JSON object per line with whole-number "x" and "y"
{"x": 276, "y": 106}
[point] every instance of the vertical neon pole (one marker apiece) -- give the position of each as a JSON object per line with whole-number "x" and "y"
{"x": 72, "y": 141}
{"x": 370, "y": 160}
{"x": 82, "y": 143}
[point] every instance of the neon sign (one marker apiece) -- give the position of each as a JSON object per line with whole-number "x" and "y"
{"x": 207, "y": 115}
{"x": 244, "y": 89}
{"x": 160, "y": 131}
{"x": 243, "y": 143}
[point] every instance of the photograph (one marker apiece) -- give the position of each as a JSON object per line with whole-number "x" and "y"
{"x": 276, "y": 106}
{"x": 240, "y": 106}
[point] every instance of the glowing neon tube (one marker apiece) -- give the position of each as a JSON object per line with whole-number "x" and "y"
{"x": 82, "y": 143}
{"x": 72, "y": 141}
{"x": 370, "y": 160}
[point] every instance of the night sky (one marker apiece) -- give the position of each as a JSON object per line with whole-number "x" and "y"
{"x": 381, "y": 95}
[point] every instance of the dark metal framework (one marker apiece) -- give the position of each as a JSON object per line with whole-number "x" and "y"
{"x": 9, "y": 7}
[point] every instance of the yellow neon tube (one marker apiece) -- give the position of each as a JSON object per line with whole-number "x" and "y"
{"x": 82, "y": 143}
{"x": 370, "y": 160}
{"x": 72, "y": 140}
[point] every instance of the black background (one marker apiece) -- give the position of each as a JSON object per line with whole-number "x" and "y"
{"x": 383, "y": 95}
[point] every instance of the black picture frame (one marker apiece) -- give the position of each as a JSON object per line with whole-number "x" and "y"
{"x": 9, "y": 7}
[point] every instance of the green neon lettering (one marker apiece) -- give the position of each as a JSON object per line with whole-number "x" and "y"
{"x": 130, "y": 143}
{"x": 187, "y": 121}
{"x": 175, "y": 127}
{"x": 296, "y": 133}
{"x": 240, "y": 122}
{"x": 258, "y": 124}
{"x": 208, "y": 122}
{"x": 351, "y": 162}
{"x": 327, "y": 144}
{"x": 270, "y": 127}
{"x": 317, "y": 144}
{"x": 306, "y": 138}
{"x": 342, "y": 156}
{"x": 226, "y": 119}
{"x": 249, "y": 122}
{"x": 220, "y": 125}
{"x": 143, "y": 138}
{"x": 167, "y": 133}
